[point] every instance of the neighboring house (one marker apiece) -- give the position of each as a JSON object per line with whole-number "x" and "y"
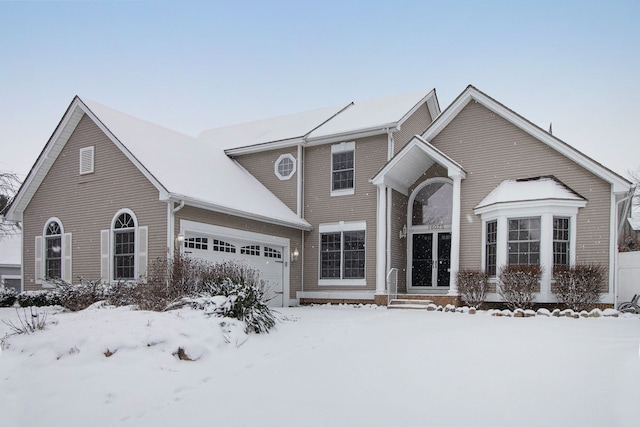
{"x": 631, "y": 235}
{"x": 10, "y": 265}
{"x": 324, "y": 203}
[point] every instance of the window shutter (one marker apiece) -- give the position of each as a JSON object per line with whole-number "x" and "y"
{"x": 38, "y": 260}
{"x": 66, "y": 262}
{"x": 142, "y": 252}
{"x": 104, "y": 255}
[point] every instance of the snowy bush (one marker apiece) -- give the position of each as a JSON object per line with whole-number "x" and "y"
{"x": 41, "y": 298}
{"x": 78, "y": 297}
{"x": 7, "y": 296}
{"x": 579, "y": 287}
{"x": 518, "y": 285}
{"x": 472, "y": 286}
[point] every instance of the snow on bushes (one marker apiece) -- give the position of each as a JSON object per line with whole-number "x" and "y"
{"x": 7, "y": 296}
{"x": 472, "y": 286}
{"x": 579, "y": 287}
{"x": 518, "y": 285}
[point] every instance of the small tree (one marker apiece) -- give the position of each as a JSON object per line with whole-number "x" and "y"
{"x": 472, "y": 286}
{"x": 518, "y": 285}
{"x": 9, "y": 184}
{"x": 579, "y": 287}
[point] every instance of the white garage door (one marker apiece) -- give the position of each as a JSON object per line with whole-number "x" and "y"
{"x": 267, "y": 259}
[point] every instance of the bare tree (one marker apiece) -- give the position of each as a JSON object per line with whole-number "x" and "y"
{"x": 635, "y": 177}
{"x": 9, "y": 185}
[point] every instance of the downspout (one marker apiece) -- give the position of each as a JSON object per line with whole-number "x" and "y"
{"x": 620, "y": 221}
{"x": 171, "y": 227}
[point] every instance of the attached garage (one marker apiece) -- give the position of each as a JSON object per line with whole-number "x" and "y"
{"x": 266, "y": 254}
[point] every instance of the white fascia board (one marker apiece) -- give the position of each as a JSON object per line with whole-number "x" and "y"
{"x": 453, "y": 168}
{"x": 360, "y": 133}
{"x": 619, "y": 184}
{"x": 432, "y": 106}
{"x": 265, "y": 146}
{"x": 302, "y": 225}
{"x": 539, "y": 204}
{"x": 46, "y": 159}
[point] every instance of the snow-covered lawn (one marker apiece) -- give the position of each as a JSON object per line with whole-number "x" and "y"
{"x": 322, "y": 366}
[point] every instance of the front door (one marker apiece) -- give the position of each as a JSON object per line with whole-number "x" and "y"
{"x": 431, "y": 253}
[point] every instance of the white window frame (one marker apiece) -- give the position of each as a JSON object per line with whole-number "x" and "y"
{"x": 40, "y": 251}
{"x": 280, "y": 160}
{"x": 546, "y": 210}
{"x": 107, "y": 250}
{"x": 87, "y": 154}
{"x": 112, "y": 255}
{"x": 341, "y": 148}
{"x": 341, "y": 227}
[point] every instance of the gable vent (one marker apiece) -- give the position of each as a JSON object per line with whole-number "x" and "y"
{"x": 86, "y": 160}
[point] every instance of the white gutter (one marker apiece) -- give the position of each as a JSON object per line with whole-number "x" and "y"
{"x": 171, "y": 212}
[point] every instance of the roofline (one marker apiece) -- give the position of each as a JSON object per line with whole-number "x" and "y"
{"x": 479, "y": 210}
{"x": 619, "y": 183}
{"x": 190, "y": 201}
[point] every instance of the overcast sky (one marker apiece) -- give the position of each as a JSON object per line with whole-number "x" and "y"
{"x": 196, "y": 65}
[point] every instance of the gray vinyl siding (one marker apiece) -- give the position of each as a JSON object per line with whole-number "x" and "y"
{"x": 491, "y": 150}
{"x": 261, "y": 165}
{"x": 399, "y": 203}
{"x": 223, "y": 220}
{"x": 414, "y": 125}
{"x": 321, "y": 208}
{"x": 86, "y": 204}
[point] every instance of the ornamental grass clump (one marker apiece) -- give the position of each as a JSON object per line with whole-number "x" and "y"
{"x": 473, "y": 286}
{"x": 518, "y": 285}
{"x": 579, "y": 287}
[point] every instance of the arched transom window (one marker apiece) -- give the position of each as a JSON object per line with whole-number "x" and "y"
{"x": 433, "y": 204}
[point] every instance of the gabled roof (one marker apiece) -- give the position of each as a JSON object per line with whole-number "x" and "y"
{"x": 620, "y": 184}
{"x": 404, "y": 169}
{"x": 179, "y": 166}
{"x": 530, "y": 190}
{"x": 321, "y": 126}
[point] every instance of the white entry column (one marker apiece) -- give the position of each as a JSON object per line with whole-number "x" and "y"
{"x": 455, "y": 235}
{"x": 381, "y": 239}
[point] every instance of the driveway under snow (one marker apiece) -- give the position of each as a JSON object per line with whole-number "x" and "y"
{"x": 322, "y": 366}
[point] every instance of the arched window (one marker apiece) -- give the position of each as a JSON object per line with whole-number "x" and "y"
{"x": 124, "y": 247}
{"x": 433, "y": 204}
{"x": 53, "y": 250}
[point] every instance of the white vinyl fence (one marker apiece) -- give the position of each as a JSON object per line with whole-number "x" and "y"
{"x": 628, "y": 275}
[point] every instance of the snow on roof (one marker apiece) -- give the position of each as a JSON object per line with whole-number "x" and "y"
{"x": 188, "y": 168}
{"x": 10, "y": 248}
{"x": 543, "y": 188}
{"x": 634, "y": 223}
{"x": 367, "y": 115}
{"x": 269, "y": 130}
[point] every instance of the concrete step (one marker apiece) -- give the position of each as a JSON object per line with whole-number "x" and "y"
{"x": 410, "y": 304}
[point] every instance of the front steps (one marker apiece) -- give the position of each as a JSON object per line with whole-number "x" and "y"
{"x": 409, "y": 304}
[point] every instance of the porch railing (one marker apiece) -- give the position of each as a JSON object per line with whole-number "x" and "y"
{"x": 392, "y": 285}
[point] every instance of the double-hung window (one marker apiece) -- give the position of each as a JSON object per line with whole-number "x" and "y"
{"x": 53, "y": 251}
{"x": 343, "y": 168}
{"x": 491, "y": 247}
{"x": 342, "y": 253}
{"x": 524, "y": 241}
{"x": 561, "y": 242}
{"x": 124, "y": 248}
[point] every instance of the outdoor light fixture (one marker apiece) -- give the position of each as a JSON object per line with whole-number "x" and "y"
{"x": 180, "y": 239}
{"x": 403, "y": 232}
{"x": 295, "y": 254}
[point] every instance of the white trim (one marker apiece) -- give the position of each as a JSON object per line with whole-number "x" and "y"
{"x": 381, "y": 240}
{"x": 112, "y": 243}
{"x": 276, "y": 166}
{"x": 342, "y": 148}
{"x": 43, "y": 260}
{"x": 346, "y": 295}
{"x": 341, "y": 227}
{"x": 299, "y": 181}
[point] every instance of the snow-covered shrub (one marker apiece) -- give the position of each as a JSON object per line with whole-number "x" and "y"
{"x": 579, "y": 287}
{"x": 28, "y": 323}
{"x": 80, "y": 296}
{"x": 472, "y": 286}
{"x": 41, "y": 298}
{"x": 7, "y": 296}
{"x": 518, "y": 285}
{"x": 244, "y": 293}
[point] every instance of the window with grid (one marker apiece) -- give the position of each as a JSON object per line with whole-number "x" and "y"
{"x": 561, "y": 244}
{"x": 53, "y": 251}
{"x": 197, "y": 243}
{"x": 272, "y": 253}
{"x": 250, "y": 250}
{"x": 524, "y": 241}
{"x": 342, "y": 255}
{"x": 491, "y": 248}
{"x": 221, "y": 246}
{"x": 342, "y": 170}
{"x": 124, "y": 247}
